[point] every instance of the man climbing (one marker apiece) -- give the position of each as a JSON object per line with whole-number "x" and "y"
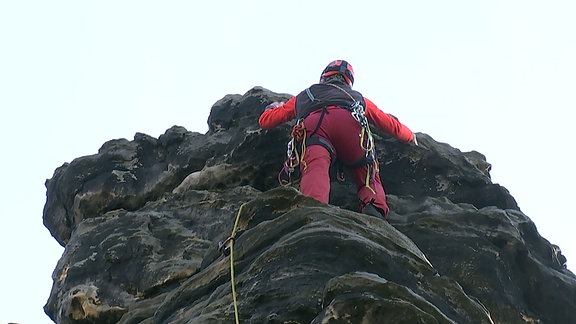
{"x": 333, "y": 126}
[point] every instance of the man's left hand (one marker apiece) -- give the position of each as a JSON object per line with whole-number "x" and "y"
{"x": 273, "y": 105}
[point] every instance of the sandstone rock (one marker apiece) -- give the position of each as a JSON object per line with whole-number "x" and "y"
{"x": 141, "y": 221}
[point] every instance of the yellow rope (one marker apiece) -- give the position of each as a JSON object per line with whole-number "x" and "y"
{"x": 368, "y": 179}
{"x": 303, "y": 149}
{"x": 366, "y": 134}
{"x": 232, "y": 281}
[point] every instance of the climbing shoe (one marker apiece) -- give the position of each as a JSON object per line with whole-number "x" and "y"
{"x": 370, "y": 209}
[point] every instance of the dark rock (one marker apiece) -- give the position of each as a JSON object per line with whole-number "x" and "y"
{"x": 141, "y": 221}
{"x": 241, "y": 112}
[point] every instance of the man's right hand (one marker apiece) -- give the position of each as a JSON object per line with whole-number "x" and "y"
{"x": 414, "y": 141}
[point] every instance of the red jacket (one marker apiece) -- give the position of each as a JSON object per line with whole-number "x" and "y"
{"x": 383, "y": 121}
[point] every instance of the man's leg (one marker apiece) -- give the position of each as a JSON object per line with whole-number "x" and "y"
{"x": 315, "y": 168}
{"x": 373, "y": 193}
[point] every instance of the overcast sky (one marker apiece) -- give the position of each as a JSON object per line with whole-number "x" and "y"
{"x": 497, "y": 77}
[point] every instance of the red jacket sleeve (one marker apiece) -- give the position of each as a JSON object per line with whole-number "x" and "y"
{"x": 274, "y": 117}
{"x": 387, "y": 123}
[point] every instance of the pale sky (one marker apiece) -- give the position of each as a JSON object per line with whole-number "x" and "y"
{"x": 498, "y": 77}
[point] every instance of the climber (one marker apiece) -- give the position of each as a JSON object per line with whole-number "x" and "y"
{"x": 332, "y": 121}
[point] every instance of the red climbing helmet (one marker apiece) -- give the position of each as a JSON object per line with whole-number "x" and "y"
{"x": 339, "y": 67}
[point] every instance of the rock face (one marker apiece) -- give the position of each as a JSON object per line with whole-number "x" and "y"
{"x": 141, "y": 220}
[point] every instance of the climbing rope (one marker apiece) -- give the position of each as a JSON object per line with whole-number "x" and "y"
{"x": 227, "y": 248}
{"x": 232, "y": 281}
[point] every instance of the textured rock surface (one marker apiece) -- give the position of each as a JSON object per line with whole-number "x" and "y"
{"x": 141, "y": 221}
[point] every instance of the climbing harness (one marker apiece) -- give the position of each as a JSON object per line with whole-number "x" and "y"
{"x": 295, "y": 153}
{"x": 226, "y": 247}
{"x": 294, "y": 156}
{"x": 296, "y": 149}
{"x": 366, "y": 139}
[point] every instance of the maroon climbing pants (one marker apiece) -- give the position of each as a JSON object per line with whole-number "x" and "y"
{"x": 342, "y": 131}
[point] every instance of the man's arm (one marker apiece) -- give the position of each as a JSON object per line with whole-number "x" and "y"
{"x": 388, "y": 123}
{"x": 273, "y": 117}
